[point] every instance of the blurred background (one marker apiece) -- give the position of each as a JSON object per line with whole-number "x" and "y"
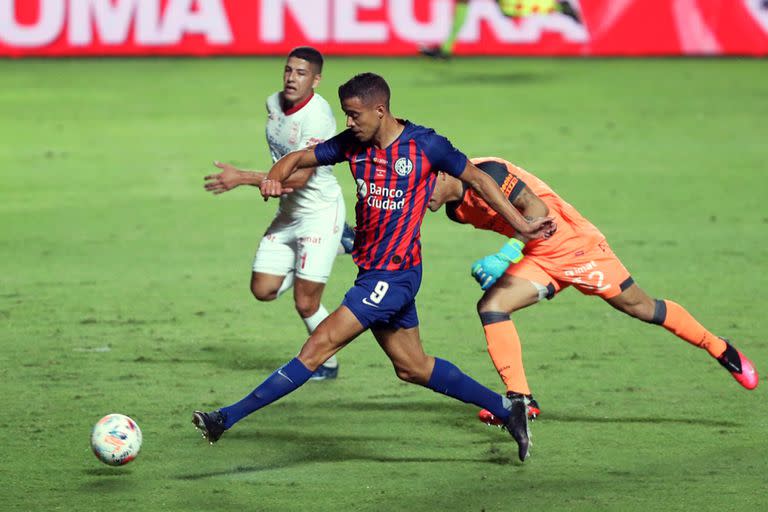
{"x": 382, "y": 27}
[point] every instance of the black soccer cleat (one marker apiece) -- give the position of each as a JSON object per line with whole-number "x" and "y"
{"x": 210, "y": 424}
{"x": 517, "y": 425}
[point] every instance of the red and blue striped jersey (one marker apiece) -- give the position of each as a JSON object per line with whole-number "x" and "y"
{"x": 393, "y": 187}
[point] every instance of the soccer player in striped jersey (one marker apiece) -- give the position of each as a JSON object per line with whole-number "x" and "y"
{"x": 394, "y": 164}
{"x": 576, "y": 255}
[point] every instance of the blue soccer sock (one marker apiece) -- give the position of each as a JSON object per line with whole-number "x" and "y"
{"x": 449, "y": 380}
{"x": 286, "y": 379}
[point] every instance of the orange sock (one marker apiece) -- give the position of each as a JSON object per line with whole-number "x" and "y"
{"x": 679, "y": 322}
{"x": 506, "y": 353}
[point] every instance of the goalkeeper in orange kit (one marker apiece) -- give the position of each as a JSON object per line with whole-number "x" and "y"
{"x": 577, "y": 254}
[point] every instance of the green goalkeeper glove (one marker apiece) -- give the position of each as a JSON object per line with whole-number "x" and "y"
{"x": 489, "y": 269}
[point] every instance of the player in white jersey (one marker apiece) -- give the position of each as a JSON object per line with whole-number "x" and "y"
{"x": 302, "y": 241}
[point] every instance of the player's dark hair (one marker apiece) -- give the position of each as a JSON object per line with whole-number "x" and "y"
{"x": 366, "y": 86}
{"x": 310, "y": 55}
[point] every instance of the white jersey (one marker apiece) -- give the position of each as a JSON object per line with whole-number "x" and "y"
{"x": 289, "y": 131}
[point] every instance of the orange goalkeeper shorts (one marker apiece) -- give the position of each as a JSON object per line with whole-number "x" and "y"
{"x": 594, "y": 271}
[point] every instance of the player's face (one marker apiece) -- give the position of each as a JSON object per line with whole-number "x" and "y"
{"x": 299, "y": 79}
{"x": 364, "y": 120}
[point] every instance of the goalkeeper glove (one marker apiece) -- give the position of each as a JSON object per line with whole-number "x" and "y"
{"x": 490, "y": 268}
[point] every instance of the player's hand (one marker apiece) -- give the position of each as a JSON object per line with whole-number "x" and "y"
{"x": 489, "y": 269}
{"x": 540, "y": 227}
{"x": 273, "y": 188}
{"x": 483, "y": 278}
{"x": 226, "y": 180}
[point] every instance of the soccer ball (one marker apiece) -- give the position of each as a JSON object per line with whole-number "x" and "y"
{"x": 116, "y": 439}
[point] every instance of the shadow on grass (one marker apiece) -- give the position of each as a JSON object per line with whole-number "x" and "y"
{"x": 105, "y": 471}
{"x": 449, "y": 410}
{"x": 452, "y": 79}
{"x": 287, "y": 462}
{"x": 314, "y": 439}
{"x": 305, "y": 448}
{"x": 108, "y": 480}
{"x": 447, "y": 407}
{"x": 655, "y": 420}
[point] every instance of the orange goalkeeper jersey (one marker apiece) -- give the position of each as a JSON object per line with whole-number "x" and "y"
{"x": 574, "y": 232}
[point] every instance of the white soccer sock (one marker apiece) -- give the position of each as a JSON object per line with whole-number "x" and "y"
{"x": 312, "y": 322}
{"x": 287, "y": 283}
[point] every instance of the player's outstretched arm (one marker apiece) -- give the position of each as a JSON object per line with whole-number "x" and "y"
{"x": 276, "y": 183}
{"x": 488, "y": 189}
{"x": 231, "y": 177}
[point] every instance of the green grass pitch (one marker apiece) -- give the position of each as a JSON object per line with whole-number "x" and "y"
{"x": 124, "y": 288}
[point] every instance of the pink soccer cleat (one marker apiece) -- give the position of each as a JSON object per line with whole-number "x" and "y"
{"x": 740, "y": 367}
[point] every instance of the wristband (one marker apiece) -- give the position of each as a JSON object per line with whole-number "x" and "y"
{"x": 512, "y": 250}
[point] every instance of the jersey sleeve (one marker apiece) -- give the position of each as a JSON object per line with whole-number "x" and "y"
{"x": 333, "y": 150}
{"x": 510, "y": 184}
{"x": 443, "y": 156}
{"x": 317, "y": 128}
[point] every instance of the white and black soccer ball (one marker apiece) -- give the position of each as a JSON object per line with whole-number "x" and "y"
{"x": 116, "y": 439}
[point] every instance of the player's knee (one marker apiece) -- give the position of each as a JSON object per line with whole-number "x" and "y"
{"x": 484, "y": 305}
{"x": 306, "y": 306}
{"x": 412, "y": 374}
{"x": 488, "y": 304}
{"x": 404, "y": 374}
{"x": 408, "y": 375}
{"x": 263, "y": 293}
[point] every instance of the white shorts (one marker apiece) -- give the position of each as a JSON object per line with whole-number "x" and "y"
{"x": 306, "y": 243}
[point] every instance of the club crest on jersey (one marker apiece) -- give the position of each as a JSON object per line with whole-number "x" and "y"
{"x": 362, "y": 188}
{"x": 403, "y": 166}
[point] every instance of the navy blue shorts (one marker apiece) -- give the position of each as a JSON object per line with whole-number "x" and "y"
{"x": 385, "y": 299}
